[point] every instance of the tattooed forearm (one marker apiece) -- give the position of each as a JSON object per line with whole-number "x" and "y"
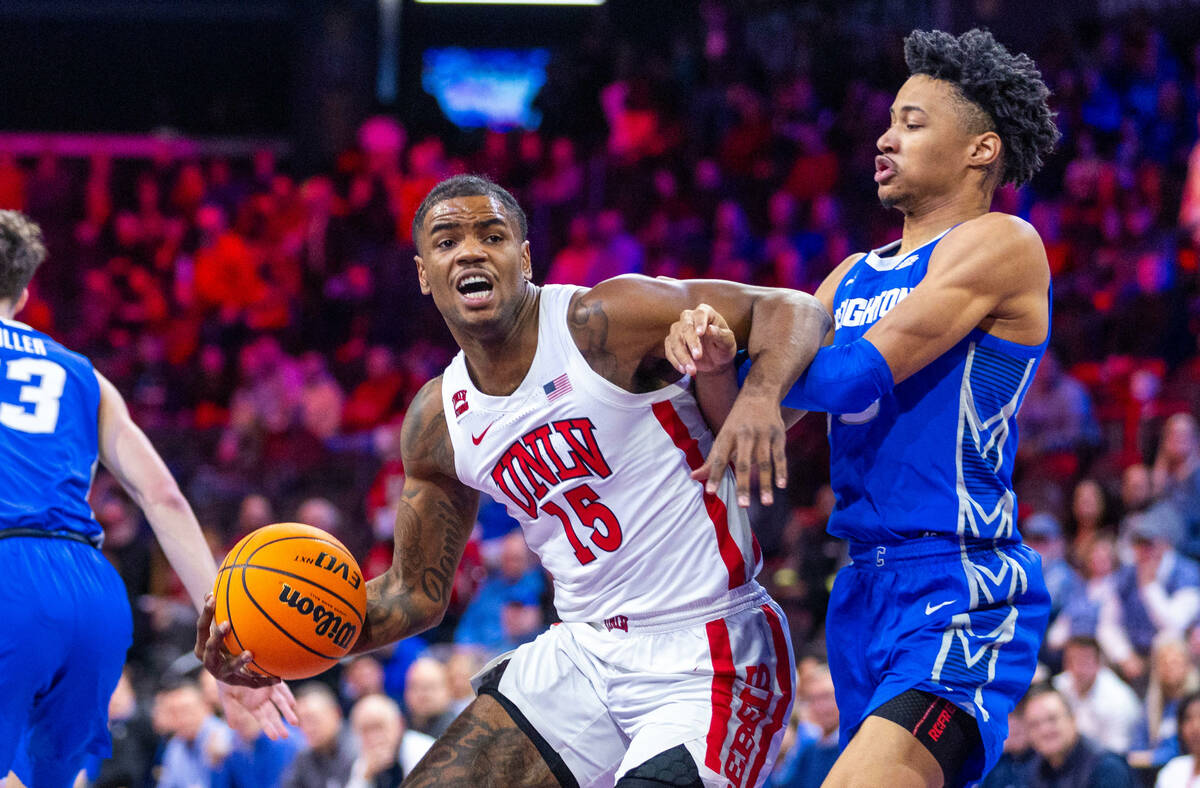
{"x": 433, "y": 522}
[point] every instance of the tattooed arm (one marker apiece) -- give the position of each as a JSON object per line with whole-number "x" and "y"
{"x": 433, "y": 521}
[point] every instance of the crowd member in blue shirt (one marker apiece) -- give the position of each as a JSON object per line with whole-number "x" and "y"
{"x": 515, "y": 589}
{"x": 196, "y": 734}
{"x": 253, "y": 760}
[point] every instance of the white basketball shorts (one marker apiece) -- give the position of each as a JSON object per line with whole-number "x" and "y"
{"x": 606, "y": 697}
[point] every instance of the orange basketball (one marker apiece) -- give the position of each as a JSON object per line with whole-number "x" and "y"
{"x": 294, "y": 596}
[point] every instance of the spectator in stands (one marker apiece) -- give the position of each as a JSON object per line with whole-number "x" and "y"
{"x": 427, "y": 697}
{"x": 1183, "y": 771}
{"x": 1104, "y": 708}
{"x": 1172, "y": 676}
{"x": 1014, "y": 760}
{"x": 389, "y": 750}
{"x": 362, "y": 677}
{"x": 1137, "y": 491}
{"x": 378, "y": 397}
{"x": 1094, "y": 613}
{"x": 519, "y": 583}
{"x": 1042, "y": 532}
{"x": 330, "y": 754}
{"x": 187, "y": 759}
{"x": 812, "y": 756}
{"x": 1057, "y": 414}
{"x": 1064, "y": 756}
{"x": 464, "y": 663}
{"x": 133, "y": 741}
{"x": 1176, "y": 476}
{"x": 1160, "y": 592}
{"x": 247, "y": 758}
{"x": 1089, "y": 516}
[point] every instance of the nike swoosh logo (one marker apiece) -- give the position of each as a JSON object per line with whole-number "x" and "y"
{"x": 929, "y": 609}
{"x": 476, "y": 440}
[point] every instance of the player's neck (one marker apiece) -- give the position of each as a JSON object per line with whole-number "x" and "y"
{"x": 926, "y": 220}
{"x": 497, "y": 363}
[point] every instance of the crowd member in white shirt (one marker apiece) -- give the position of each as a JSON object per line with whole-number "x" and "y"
{"x": 388, "y": 750}
{"x": 1106, "y": 710}
{"x": 1184, "y": 771}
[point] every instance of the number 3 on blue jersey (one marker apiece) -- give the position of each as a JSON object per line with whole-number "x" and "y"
{"x": 44, "y": 396}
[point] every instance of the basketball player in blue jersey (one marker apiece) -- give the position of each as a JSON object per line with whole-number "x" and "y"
{"x": 67, "y": 620}
{"x": 934, "y": 629}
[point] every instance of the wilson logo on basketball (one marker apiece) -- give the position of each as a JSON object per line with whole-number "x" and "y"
{"x": 329, "y": 623}
{"x": 331, "y": 563}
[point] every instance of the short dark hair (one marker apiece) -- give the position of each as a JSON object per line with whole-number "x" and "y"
{"x": 1083, "y": 641}
{"x": 1037, "y": 691}
{"x": 1184, "y": 702}
{"x": 1007, "y": 88}
{"x": 21, "y": 252}
{"x": 469, "y": 186}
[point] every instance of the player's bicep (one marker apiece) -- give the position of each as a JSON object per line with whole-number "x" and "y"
{"x": 126, "y": 451}
{"x": 930, "y": 321}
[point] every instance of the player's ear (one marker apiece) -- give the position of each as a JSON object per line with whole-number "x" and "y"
{"x": 421, "y": 276}
{"x": 526, "y": 261}
{"x": 985, "y": 149}
{"x": 22, "y": 300}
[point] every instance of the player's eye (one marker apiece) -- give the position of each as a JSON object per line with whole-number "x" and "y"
{"x": 911, "y": 126}
{"x": 445, "y": 243}
{"x": 495, "y": 239}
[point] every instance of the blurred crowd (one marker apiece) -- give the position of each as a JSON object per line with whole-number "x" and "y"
{"x": 268, "y": 332}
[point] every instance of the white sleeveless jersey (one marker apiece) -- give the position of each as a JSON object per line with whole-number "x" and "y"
{"x": 599, "y": 479}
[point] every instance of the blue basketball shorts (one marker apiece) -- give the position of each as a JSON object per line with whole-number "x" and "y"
{"x": 961, "y": 621}
{"x": 62, "y": 649}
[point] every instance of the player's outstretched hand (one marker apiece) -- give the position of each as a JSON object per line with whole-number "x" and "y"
{"x": 753, "y": 436}
{"x": 269, "y": 705}
{"x": 210, "y": 649}
{"x": 700, "y": 341}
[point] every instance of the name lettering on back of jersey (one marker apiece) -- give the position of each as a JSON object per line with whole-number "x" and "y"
{"x": 532, "y": 466}
{"x": 864, "y": 311}
{"x": 22, "y": 343}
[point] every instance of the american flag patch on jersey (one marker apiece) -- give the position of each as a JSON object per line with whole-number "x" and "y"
{"x": 557, "y": 387}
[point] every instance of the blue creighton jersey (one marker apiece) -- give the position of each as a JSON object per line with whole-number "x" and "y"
{"x": 49, "y": 407}
{"x": 935, "y": 455}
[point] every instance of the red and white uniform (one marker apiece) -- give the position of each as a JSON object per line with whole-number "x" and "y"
{"x": 653, "y": 578}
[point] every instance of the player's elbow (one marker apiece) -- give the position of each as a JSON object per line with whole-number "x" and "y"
{"x": 163, "y": 494}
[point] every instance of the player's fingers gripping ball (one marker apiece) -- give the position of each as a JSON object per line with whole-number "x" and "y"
{"x": 294, "y": 596}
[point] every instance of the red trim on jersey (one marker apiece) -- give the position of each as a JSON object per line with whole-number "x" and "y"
{"x": 783, "y": 674}
{"x": 722, "y": 691}
{"x": 731, "y": 554}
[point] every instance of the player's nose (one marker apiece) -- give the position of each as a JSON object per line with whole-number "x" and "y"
{"x": 886, "y": 142}
{"x": 471, "y": 250}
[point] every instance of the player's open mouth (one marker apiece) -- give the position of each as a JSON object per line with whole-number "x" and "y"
{"x": 475, "y": 288}
{"x": 884, "y": 169}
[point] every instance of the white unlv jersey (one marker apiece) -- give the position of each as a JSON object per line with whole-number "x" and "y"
{"x": 599, "y": 479}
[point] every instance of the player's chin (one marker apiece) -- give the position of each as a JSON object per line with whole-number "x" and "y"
{"x": 889, "y": 196}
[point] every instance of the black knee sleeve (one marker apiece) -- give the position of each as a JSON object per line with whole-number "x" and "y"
{"x": 674, "y": 768}
{"x": 949, "y": 733}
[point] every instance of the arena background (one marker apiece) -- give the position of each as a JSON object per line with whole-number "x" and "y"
{"x": 226, "y": 190}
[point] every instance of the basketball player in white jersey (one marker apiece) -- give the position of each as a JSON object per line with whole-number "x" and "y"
{"x": 671, "y": 665}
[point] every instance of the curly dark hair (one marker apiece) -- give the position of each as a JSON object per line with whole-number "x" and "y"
{"x": 21, "y": 252}
{"x": 470, "y": 186}
{"x": 1007, "y": 88}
